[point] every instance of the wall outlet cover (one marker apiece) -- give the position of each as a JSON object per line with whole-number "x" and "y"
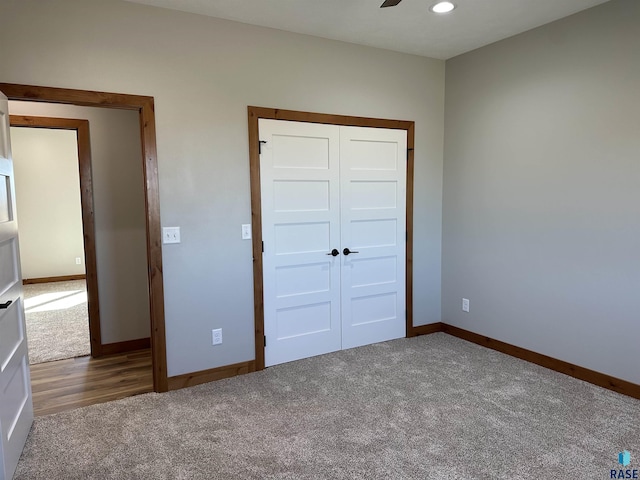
{"x": 216, "y": 336}
{"x": 465, "y": 305}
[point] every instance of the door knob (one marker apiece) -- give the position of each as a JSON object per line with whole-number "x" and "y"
{"x": 334, "y": 252}
{"x": 6, "y": 305}
{"x": 346, "y": 251}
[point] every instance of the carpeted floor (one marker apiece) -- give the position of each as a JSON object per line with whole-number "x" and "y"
{"x": 57, "y": 320}
{"x": 431, "y": 407}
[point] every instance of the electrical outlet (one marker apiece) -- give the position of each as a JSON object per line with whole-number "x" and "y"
{"x": 78, "y": 261}
{"x": 465, "y": 305}
{"x": 216, "y": 336}
{"x": 171, "y": 235}
{"x": 246, "y": 231}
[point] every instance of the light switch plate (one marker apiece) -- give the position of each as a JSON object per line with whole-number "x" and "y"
{"x": 171, "y": 235}
{"x": 246, "y": 231}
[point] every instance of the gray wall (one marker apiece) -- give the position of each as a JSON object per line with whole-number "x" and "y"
{"x": 45, "y": 165}
{"x": 118, "y": 196}
{"x": 203, "y": 72}
{"x": 542, "y": 190}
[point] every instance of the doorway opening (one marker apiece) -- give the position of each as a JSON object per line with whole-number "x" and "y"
{"x": 144, "y": 106}
{"x": 54, "y": 196}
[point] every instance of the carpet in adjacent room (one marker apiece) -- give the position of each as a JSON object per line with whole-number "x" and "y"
{"x": 57, "y": 320}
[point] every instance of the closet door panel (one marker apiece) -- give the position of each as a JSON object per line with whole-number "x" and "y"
{"x": 373, "y": 227}
{"x": 299, "y": 179}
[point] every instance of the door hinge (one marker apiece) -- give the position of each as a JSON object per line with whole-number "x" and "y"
{"x": 265, "y": 340}
{"x": 260, "y": 142}
{"x": 263, "y": 246}
{"x": 409, "y": 150}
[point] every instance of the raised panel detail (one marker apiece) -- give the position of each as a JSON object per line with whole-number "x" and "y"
{"x": 303, "y": 279}
{"x": 374, "y": 233}
{"x": 9, "y": 270}
{"x": 301, "y": 238}
{"x": 373, "y": 271}
{"x": 304, "y": 320}
{"x": 373, "y": 195}
{"x": 374, "y": 308}
{"x": 5, "y": 192}
{"x": 286, "y": 152}
{"x": 372, "y": 155}
{"x": 14, "y": 396}
{"x": 11, "y": 332}
{"x": 300, "y": 196}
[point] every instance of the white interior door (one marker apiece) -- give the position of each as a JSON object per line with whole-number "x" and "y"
{"x": 300, "y": 187}
{"x": 373, "y": 171}
{"x": 16, "y": 409}
{"x": 334, "y": 232}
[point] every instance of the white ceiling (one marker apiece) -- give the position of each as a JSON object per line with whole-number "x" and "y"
{"x": 408, "y": 27}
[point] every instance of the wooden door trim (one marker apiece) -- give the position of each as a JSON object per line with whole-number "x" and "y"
{"x": 81, "y": 127}
{"x": 256, "y": 113}
{"x": 145, "y": 107}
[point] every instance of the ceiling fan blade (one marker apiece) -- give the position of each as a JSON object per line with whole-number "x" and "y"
{"x": 390, "y": 3}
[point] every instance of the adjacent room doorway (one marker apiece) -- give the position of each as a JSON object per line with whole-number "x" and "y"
{"x": 144, "y": 106}
{"x": 54, "y": 197}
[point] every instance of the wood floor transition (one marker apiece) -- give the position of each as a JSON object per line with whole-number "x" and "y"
{"x": 77, "y": 382}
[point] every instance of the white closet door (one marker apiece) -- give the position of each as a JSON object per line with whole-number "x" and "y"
{"x": 299, "y": 181}
{"x": 373, "y": 171}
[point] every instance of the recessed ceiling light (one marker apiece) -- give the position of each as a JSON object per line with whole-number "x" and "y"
{"x": 442, "y": 7}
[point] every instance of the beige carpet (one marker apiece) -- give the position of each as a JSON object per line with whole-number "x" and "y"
{"x": 57, "y": 320}
{"x": 431, "y": 407}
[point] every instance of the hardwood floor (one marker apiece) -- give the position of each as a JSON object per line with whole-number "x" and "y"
{"x": 78, "y": 382}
